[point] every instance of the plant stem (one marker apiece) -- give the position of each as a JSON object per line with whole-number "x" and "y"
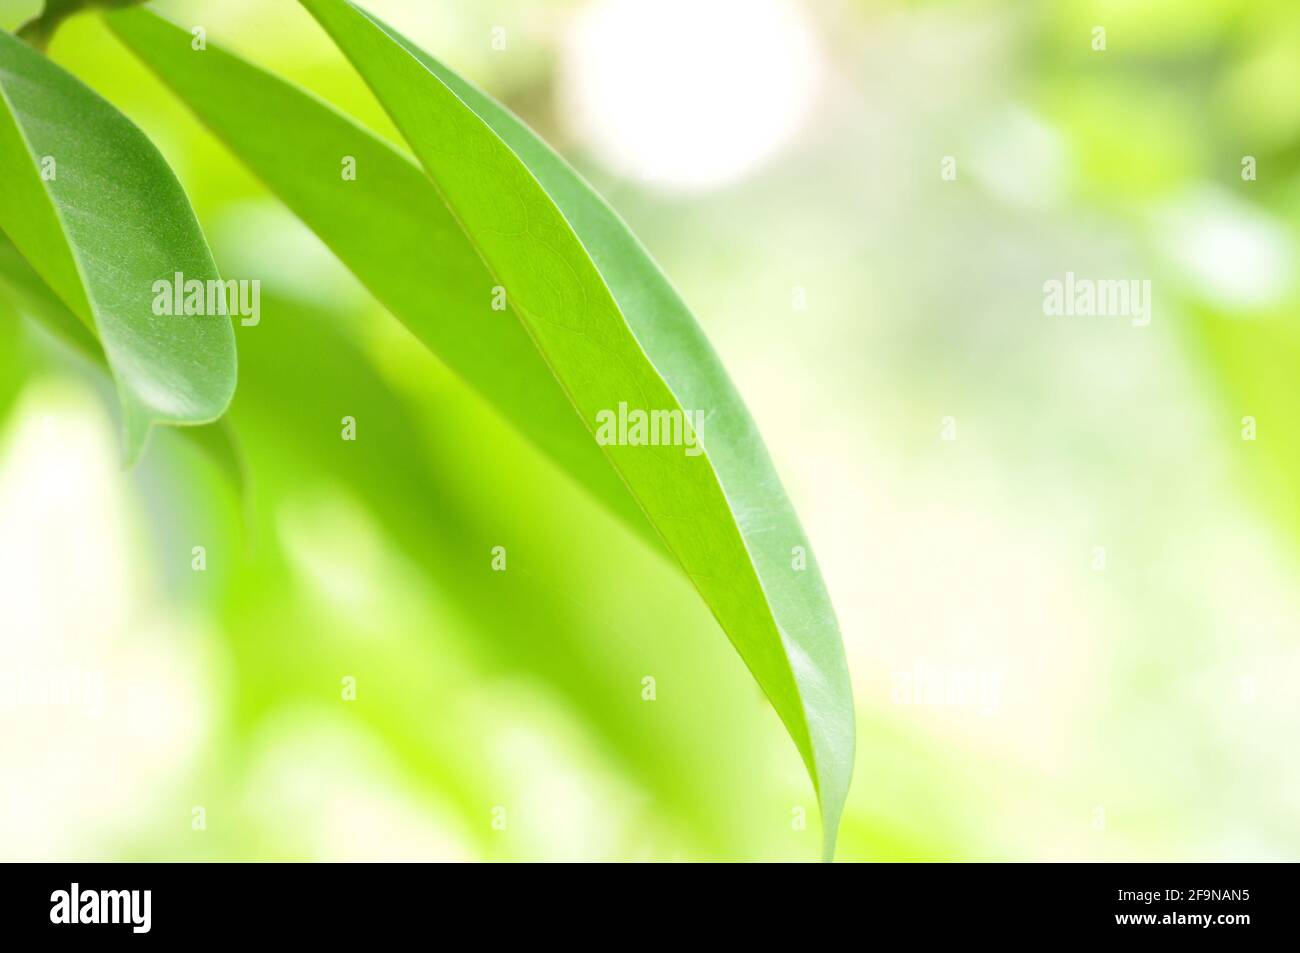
{"x": 38, "y": 30}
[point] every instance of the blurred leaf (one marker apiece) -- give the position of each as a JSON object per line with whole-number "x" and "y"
{"x": 14, "y": 359}
{"x": 94, "y": 208}
{"x": 42, "y": 304}
{"x": 1254, "y": 364}
{"x": 613, "y": 332}
{"x": 410, "y": 477}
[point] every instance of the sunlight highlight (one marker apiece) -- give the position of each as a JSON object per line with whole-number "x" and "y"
{"x": 689, "y": 94}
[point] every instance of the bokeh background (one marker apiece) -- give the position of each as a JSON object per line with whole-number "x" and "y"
{"x": 1072, "y": 629}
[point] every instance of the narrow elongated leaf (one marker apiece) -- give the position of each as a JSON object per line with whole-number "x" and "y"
{"x": 616, "y": 336}
{"x": 382, "y": 217}
{"x": 94, "y": 208}
{"x": 678, "y": 349}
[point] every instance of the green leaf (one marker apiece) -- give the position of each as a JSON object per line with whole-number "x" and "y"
{"x": 613, "y": 331}
{"x": 389, "y": 226}
{"x": 94, "y": 208}
{"x": 402, "y": 235}
{"x": 33, "y": 298}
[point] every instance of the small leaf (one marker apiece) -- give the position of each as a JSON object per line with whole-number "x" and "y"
{"x": 613, "y": 332}
{"x": 33, "y": 298}
{"x": 94, "y": 208}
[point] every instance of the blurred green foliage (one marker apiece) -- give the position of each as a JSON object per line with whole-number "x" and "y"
{"x": 1144, "y": 711}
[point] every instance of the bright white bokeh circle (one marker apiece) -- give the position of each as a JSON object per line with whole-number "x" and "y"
{"x": 688, "y": 94}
